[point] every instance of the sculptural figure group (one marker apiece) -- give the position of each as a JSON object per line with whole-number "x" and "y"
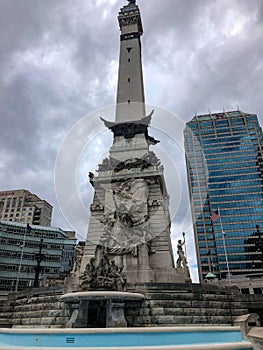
{"x": 105, "y": 275}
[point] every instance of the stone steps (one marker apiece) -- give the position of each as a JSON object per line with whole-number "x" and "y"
{"x": 38, "y": 311}
{"x": 170, "y": 304}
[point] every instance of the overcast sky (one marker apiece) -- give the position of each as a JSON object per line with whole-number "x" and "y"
{"x": 59, "y": 61}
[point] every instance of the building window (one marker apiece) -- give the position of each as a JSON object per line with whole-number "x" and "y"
{"x": 129, "y": 60}
{"x": 20, "y": 201}
{"x": 244, "y": 290}
{"x": 129, "y": 101}
{"x": 129, "y": 80}
{"x": 257, "y": 290}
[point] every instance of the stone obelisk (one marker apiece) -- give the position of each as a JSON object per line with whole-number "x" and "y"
{"x": 130, "y": 93}
{"x": 129, "y": 229}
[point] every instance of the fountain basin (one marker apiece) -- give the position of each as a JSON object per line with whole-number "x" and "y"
{"x": 125, "y": 338}
{"x": 101, "y": 295}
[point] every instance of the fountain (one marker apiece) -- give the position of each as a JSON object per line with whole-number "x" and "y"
{"x": 101, "y": 301}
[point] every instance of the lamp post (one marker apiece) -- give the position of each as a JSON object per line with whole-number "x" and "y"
{"x": 39, "y": 258}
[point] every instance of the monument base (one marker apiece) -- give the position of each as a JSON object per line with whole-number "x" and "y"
{"x": 173, "y": 275}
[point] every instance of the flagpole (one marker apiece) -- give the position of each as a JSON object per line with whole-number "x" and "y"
{"x": 184, "y": 245}
{"x": 209, "y": 260}
{"x": 21, "y": 259}
{"x": 224, "y": 244}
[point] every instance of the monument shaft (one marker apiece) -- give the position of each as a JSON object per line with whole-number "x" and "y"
{"x": 130, "y": 95}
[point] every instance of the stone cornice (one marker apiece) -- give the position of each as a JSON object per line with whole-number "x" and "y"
{"x": 129, "y": 129}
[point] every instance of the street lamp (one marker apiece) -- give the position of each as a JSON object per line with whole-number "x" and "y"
{"x": 39, "y": 258}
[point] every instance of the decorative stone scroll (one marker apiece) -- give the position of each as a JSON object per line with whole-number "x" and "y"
{"x": 130, "y": 20}
{"x": 111, "y": 164}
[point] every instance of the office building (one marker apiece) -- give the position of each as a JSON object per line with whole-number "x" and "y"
{"x": 225, "y": 173}
{"x": 24, "y": 207}
{"x": 20, "y": 248}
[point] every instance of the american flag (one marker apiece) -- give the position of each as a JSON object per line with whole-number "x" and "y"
{"x": 214, "y": 216}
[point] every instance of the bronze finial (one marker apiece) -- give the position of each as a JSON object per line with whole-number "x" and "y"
{"x": 132, "y": 1}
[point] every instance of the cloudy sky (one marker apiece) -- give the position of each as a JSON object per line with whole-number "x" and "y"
{"x": 59, "y": 61}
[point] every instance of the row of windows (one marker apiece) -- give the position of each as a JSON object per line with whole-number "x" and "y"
{"x": 26, "y": 256}
{"x": 12, "y": 210}
{"x": 227, "y": 137}
{"x": 31, "y": 244}
{"x": 235, "y": 200}
{"x": 228, "y": 209}
{"x": 250, "y": 154}
{"x": 233, "y": 246}
{"x": 237, "y": 237}
{"x": 239, "y": 177}
{"x": 13, "y": 201}
{"x": 223, "y": 195}
{"x": 9, "y": 284}
{"x": 235, "y": 158}
{"x": 207, "y": 134}
{"x": 225, "y": 162}
{"x": 27, "y": 269}
{"x": 227, "y": 120}
{"x": 225, "y": 166}
{"x": 226, "y": 149}
{"x": 34, "y": 232}
{"x": 237, "y": 191}
{"x": 237, "y": 227}
{"x": 232, "y": 184}
{"x": 235, "y": 123}
{"x": 231, "y": 259}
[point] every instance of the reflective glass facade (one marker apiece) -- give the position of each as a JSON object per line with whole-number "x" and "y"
{"x": 225, "y": 172}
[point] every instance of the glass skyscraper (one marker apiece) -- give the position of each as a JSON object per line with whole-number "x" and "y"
{"x": 225, "y": 177}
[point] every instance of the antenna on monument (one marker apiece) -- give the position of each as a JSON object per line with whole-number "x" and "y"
{"x": 209, "y": 111}
{"x": 238, "y": 108}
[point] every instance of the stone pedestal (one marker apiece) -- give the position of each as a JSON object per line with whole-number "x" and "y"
{"x": 115, "y": 314}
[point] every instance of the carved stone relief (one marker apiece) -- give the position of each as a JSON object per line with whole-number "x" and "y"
{"x": 126, "y": 217}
